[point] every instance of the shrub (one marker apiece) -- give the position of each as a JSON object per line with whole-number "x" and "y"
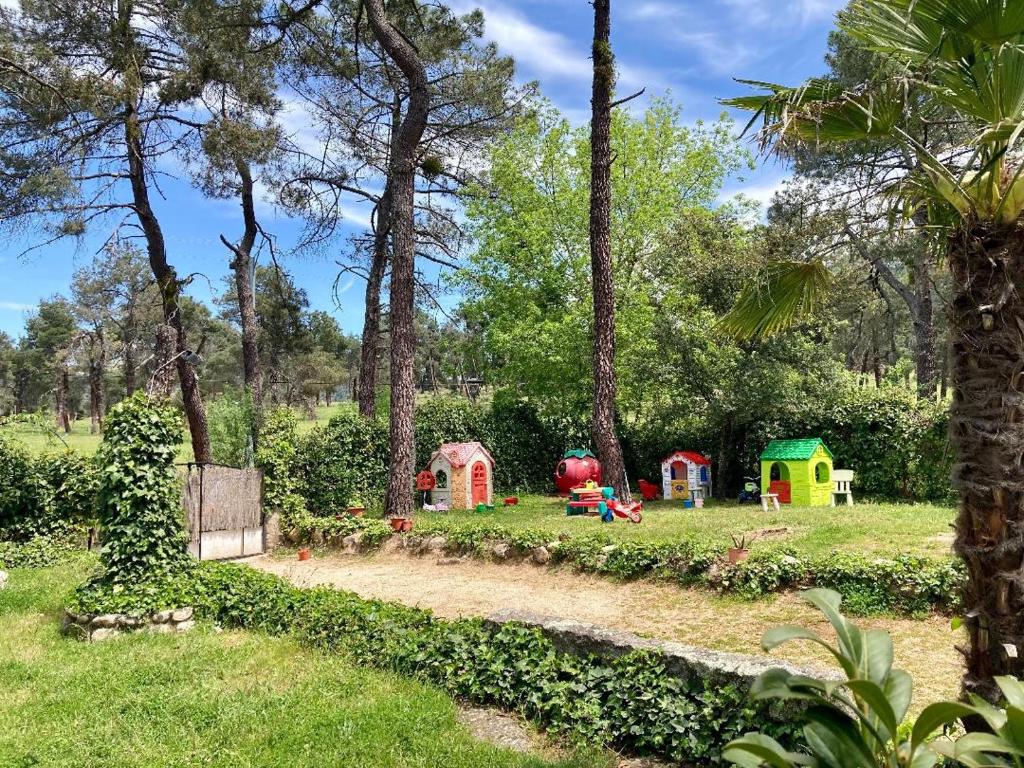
{"x": 276, "y": 456}
{"x": 44, "y": 495}
{"x": 139, "y": 501}
{"x": 230, "y": 420}
{"x": 36, "y": 552}
{"x": 345, "y": 460}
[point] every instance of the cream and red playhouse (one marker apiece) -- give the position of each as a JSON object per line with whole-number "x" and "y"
{"x": 685, "y": 475}
{"x": 463, "y": 475}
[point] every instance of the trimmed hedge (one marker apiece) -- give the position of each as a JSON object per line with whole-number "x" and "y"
{"x": 630, "y": 702}
{"x": 895, "y": 442}
{"x": 46, "y": 494}
{"x": 898, "y": 584}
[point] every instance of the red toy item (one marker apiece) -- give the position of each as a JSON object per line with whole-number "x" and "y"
{"x": 425, "y": 481}
{"x": 511, "y": 501}
{"x": 630, "y": 510}
{"x": 649, "y": 491}
{"x": 575, "y": 469}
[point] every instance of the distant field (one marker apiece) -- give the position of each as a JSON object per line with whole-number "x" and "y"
{"x": 39, "y": 440}
{"x": 884, "y": 528}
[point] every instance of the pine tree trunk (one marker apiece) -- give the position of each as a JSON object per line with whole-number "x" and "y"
{"x": 369, "y": 352}
{"x": 130, "y": 367}
{"x": 97, "y": 366}
{"x": 163, "y": 357}
{"x": 399, "y": 501}
{"x": 61, "y": 397}
{"x": 170, "y": 288}
{"x": 924, "y": 330}
{"x": 609, "y": 451}
{"x": 987, "y": 433}
{"x": 243, "y": 267}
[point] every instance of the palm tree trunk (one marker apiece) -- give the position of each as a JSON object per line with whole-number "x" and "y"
{"x": 399, "y": 501}
{"x": 987, "y": 433}
{"x": 609, "y": 451}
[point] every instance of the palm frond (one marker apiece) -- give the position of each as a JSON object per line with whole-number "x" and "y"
{"x": 789, "y": 291}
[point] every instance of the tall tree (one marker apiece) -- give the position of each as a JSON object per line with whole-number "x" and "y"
{"x": 356, "y": 93}
{"x": 965, "y": 56}
{"x": 603, "y": 427}
{"x": 402, "y": 437}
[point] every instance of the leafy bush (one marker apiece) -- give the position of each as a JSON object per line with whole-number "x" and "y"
{"x": 36, "y": 552}
{"x": 275, "y": 456}
{"x": 44, "y": 495}
{"x": 345, "y": 460}
{"x": 139, "y": 500}
{"x": 230, "y": 419}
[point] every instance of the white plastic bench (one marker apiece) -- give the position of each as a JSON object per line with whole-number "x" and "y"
{"x": 774, "y": 499}
{"x": 842, "y": 480}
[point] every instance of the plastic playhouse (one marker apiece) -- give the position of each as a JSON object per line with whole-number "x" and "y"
{"x": 686, "y": 475}
{"x": 576, "y": 468}
{"x": 463, "y": 476}
{"x": 596, "y": 500}
{"x": 798, "y": 472}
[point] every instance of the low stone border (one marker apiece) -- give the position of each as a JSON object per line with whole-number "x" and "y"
{"x": 687, "y": 662}
{"x": 93, "y": 628}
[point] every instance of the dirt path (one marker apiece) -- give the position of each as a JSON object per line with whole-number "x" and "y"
{"x": 696, "y": 617}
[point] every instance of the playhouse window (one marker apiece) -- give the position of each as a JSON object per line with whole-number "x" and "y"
{"x": 561, "y": 469}
{"x": 441, "y": 479}
{"x": 703, "y": 474}
{"x": 821, "y": 472}
{"x": 779, "y": 471}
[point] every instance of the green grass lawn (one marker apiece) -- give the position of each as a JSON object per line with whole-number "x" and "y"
{"x": 883, "y": 528}
{"x": 211, "y": 699}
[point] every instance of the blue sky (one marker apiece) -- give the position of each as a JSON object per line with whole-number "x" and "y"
{"x": 692, "y": 48}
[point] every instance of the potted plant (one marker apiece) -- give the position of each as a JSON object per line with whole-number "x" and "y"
{"x": 356, "y": 508}
{"x": 740, "y": 549}
{"x": 397, "y": 523}
{"x": 304, "y": 553}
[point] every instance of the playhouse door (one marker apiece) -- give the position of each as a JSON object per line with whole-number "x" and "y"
{"x": 680, "y": 484}
{"x": 479, "y": 480}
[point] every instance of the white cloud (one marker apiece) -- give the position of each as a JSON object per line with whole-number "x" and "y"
{"x": 15, "y": 306}
{"x": 736, "y": 32}
{"x": 762, "y": 192}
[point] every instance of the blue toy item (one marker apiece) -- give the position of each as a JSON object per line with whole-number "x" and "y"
{"x": 687, "y": 503}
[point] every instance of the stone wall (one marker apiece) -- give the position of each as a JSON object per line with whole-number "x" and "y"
{"x": 686, "y": 662}
{"x": 93, "y": 628}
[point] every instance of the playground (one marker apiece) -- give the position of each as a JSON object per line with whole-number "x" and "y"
{"x": 919, "y": 529}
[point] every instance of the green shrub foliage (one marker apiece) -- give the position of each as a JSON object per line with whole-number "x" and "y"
{"x": 230, "y": 418}
{"x": 631, "y": 701}
{"x": 276, "y": 454}
{"x": 44, "y": 495}
{"x": 139, "y": 499}
{"x": 345, "y": 460}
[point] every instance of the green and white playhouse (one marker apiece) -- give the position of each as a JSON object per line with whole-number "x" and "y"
{"x": 799, "y": 471}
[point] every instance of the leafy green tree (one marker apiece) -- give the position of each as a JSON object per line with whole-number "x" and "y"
{"x": 966, "y": 56}
{"x": 528, "y": 279}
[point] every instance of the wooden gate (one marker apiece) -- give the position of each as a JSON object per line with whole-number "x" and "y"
{"x": 224, "y": 509}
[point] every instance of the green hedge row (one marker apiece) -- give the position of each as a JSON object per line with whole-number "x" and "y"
{"x": 42, "y": 494}
{"x": 869, "y": 584}
{"x": 895, "y": 442}
{"x": 630, "y": 702}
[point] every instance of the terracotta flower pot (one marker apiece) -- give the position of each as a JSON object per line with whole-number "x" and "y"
{"x": 407, "y": 524}
{"x": 304, "y": 553}
{"x": 397, "y": 523}
{"x": 357, "y": 511}
{"x": 738, "y": 555}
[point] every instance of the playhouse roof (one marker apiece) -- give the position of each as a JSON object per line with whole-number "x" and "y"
{"x": 579, "y": 453}
{"x": 793, "y": 450}
{"x": 459, "y": 454}
{"x": 691, "y": 456}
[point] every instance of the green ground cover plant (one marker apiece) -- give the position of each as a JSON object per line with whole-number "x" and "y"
{"x": 213, "y": 698}
{"x": 629, "y": 702}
